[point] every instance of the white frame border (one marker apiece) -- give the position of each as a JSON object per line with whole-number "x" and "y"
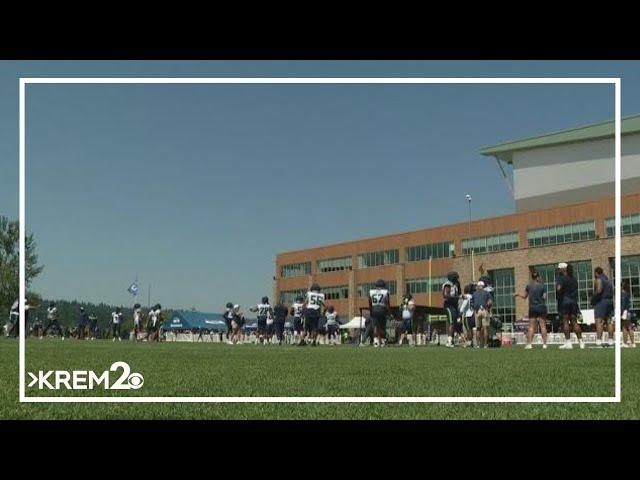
{"x": 168, "y": 80}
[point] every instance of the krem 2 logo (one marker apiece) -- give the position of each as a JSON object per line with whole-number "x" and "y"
{"x": 87, "y": 379}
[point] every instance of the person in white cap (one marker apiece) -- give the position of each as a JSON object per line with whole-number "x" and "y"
{"x": 567, "y": 294}
{"x": 481, "y": 303}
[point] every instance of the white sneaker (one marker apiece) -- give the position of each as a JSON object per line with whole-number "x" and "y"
{"x": 566, "y": 346}
{"x": 610, "y": 342}
{"x": 528, "y": 347}
{"x": 625, "y": 345}
{"x": 544, "y": 346}
{"x": 632, "y": 345}
{"x": 63, "y": 339}
{"x": 598, "y": 343}
{"x": 582, "y": 345}
{"x": 376, "y": 342}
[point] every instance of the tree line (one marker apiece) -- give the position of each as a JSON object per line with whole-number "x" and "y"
{"x": 68, "y": 310}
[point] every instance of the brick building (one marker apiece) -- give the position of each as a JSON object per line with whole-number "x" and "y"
{"x": 569, "y": 173}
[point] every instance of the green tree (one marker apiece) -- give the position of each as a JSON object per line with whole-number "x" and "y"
{"x": 10, "y": 262}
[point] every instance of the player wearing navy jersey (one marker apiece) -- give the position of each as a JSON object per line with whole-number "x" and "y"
{"x": 83, "y": 324}
{"x": 312, "y": 309}
{"x": 296, "y": 312}
{"x": 379, "y": 307}
{"x": 265, "y": 312}
{"x": 279, "y": 319}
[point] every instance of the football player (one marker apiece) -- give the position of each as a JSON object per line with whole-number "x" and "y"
{"x": 264, "y": 311}
{"x": 332, "y": 325}
{"x": 450, "y": 295}
{"x": 312, "y": 308}
{"x": 137, "y": 320}
{"x": 116, "y": 322}
{"x": 52, "y": 321}
{"x": 408, "y": 309}
{"x": 280, "y": 317}
{"x": 229, "y": 315}
{"x": 379, "y": 307}
{"x": 296, "y": 313}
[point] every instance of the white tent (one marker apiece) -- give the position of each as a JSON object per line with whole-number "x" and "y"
{"x": 355, "y": 322}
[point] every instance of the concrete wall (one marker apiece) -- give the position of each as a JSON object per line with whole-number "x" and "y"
{"x": 572, "y": 173}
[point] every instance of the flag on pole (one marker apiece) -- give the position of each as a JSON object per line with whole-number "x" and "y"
{"x": 133, "y": 289}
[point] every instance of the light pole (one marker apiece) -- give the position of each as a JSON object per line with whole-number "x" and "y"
{"x": 473, "y": 266}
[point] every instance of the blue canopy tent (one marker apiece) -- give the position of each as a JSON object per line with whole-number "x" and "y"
{"x": 250, "y": 325}
{"x": 186, "y": 320}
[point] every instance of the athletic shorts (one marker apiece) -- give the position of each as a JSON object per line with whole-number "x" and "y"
{"x": 311, "y": 319}
{"x": 297, "y": 324}
{"x": 417, "y": 325}
{"x": 469, "y": 322}
{"x": 452, "y": 313}
{"x": 262, "y": 324}
{"x": 379, "y": 317}
{"x": 482, "y": 317}
{"x": 332, "y": 329}
{"x": 568, "y": 308}
{"x": 406, "y": 325}
{"x": 604, "y": 309}
{"x": 536, "y": 311}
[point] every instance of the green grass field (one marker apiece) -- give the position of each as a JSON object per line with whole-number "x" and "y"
{"x": 181, "y": 369}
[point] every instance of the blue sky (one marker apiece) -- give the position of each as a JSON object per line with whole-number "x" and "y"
{"x": 195, "y": 188}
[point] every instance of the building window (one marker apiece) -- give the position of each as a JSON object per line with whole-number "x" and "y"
{"x": 582, "y": 272}
{"x": 504, "y": 286}
{"x": 630, "y": 225}
{"x": 630, "y": 273}
{"x": 376, "y": 259}
{"x": 422, "y": 285}
{"x": 571, "y": 232}
{"x": 295, "y": 270}
{"x": 334, "y": 264}
{"x": 419, "y": 253}
{"x": 363, "y": 288}
{"x": 336, "y": 293}
{"x": 287, "y": 297}
{"x": 491, "y": 243}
